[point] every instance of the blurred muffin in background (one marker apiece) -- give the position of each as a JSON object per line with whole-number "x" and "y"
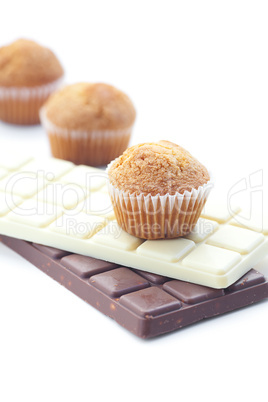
{"x": 29, "y": 73}
{"x": 88, "y": 123}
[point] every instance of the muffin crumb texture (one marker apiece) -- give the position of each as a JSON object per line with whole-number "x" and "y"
{"x": 90, "y": 106}
{"x": 25, "y": 63}
{"x": 157, "y": 168}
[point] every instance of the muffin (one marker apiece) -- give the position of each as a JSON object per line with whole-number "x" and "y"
{"x": 88, "y": 123}
{"x": 158, "y": 190}
{"x": 29, "y": 73}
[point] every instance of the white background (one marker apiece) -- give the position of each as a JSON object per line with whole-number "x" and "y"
{"x": 197, "y": 72}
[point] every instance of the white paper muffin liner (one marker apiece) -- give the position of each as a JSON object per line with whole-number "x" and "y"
{"x": 158, "y": 216}
{"x": 22, "y": 105}
{"x": 25, "y": 93}
{"x": 88, "y": 147}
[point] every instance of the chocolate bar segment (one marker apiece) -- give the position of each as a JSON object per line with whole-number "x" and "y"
{"x": 146, "y": 306}
{"x": 190, "y": 293}
{"x": 150, "y": 302}
{"x": 86, "y": 266}
{"x": 118, "y": 282}
{"x": 154, "y": 278}
{"x": 52, "y": 252}
{"x": 248, "y": 280}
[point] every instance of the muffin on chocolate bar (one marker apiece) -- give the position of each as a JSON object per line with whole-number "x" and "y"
{"x": 29, "y": 73}
{"x": 158, "y": 190}
{"x": 88, "y": 123}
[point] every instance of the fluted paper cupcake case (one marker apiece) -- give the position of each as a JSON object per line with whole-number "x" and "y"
{"x": 22, "y": 105}
{"x": 159, "y": 216}
{"x": 88, "y": 147}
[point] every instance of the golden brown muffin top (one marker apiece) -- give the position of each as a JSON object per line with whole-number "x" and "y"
{"x": 24, "y": 63}
{"x": 157, "y": 168}
{"x": 90, "y": 106}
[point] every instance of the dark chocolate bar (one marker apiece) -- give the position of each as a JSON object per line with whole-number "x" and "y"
{"x": 144, "y": 303}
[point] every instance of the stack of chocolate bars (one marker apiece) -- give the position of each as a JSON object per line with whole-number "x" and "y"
{"x": 59, "y": 217}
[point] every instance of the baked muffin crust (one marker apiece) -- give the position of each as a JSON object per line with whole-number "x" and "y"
{"x": 90, "y": 106}
{"x": 157, "y": 168}
{"x": 25, "y": 63}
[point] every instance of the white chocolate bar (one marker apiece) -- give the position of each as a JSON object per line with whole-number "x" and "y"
{"x": 58, "y": 204}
